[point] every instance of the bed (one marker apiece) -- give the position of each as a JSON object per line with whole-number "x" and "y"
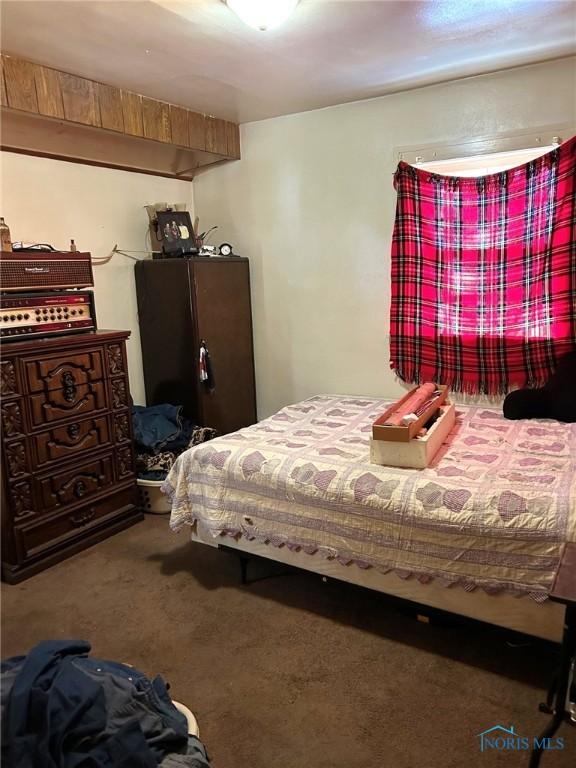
{"x": 480, "y": 532}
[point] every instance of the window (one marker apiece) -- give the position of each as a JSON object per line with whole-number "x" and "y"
{"x": 483, "y": 165}
{"x": 482, "y": 289}
{"x": 467, "y": 282}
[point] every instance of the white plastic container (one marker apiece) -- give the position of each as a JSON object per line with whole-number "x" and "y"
{"x": 193, "y": 729}
{"x": 151, "y": 498}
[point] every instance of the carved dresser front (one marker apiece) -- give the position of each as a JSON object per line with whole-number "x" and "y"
{"x": 67, "y": 454}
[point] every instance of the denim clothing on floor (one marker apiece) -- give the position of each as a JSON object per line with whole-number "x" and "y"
{"x": 195, "y": 756}
{"x": 161, "y": 434}
{"x": 9, "y": 672}
{"x": 66, "y": 710}
{"x": 156, "y": 425}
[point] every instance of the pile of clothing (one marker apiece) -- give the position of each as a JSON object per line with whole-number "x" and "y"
{"x": 62, "y": 709}
{"x": 161, "y": 434}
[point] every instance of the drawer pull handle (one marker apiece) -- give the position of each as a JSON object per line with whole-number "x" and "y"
{"x": 81, "y": 518}
{"x": 80, "y": 489}
{"x": 68, "y": 387}
{"x": 73, "y": 431}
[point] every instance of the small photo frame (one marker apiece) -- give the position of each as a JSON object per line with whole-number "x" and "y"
{"x": 176, "y": 233}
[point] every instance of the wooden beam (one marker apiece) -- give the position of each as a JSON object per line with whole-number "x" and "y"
{"x": 52, "y": 93}
{"x": 27, "y": 133}
{"x": 132, "y": 113}
{"x": 233, "y": 140}
{"x": 216, "y": 135}
{"x": 179, "y": 125}
{"x": 20, "y": 84}
{"x": 55, "y": 95}
{"x": 196, "y": 131}
{"x": 110, "y": 101}
{"x": 3, "y": 94}
{"x": 48, "y": 92}
{"x": 80, "y": 99}
{"x": 156, "y": 119}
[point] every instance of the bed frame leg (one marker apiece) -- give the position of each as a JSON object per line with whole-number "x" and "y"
{"x": 559, "y": 695}
{"x": 244, "y": 569}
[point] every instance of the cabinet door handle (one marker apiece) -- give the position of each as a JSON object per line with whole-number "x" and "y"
{"x": 73, "y": 431}
{"x": 205, "y": 368}
{"x": 81, "y": 518}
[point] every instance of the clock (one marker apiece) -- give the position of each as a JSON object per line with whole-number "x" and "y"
{"x": 226, "y": 249}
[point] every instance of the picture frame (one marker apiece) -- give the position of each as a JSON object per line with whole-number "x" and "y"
{"x": 176, "y": 233}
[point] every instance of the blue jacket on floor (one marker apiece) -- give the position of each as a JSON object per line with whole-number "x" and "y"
{"x": 63, "y": 709}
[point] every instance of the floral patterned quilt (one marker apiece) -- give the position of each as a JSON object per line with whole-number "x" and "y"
{"x": 492, "y": 511}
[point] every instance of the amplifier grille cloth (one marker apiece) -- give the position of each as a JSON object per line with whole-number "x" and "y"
{"x": 49, "y": 273}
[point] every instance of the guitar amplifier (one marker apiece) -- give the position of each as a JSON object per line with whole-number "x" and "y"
{"x": 41, "y": 270}
{"x": 49, "y": 313}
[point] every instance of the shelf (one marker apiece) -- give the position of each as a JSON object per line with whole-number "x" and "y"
{"x": 55, "y": 114}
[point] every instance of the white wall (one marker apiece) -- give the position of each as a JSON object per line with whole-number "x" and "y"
{"x": 51, "y": 201}
{"x": 312, "y": 204}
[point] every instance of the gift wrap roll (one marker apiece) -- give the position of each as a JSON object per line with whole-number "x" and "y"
{"x": 411, "y": 405}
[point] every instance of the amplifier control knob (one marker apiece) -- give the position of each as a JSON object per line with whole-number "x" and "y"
{"x": 37, "y": 311}
{"x": 26, "y": 316}
{"x": 12, "y": 317}
{"x": 38, "y": 319}
{"x": 73, "y": 311}
{"x": 19, "y": 317}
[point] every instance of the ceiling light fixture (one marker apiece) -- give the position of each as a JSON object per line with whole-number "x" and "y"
{"x": 262, "y": 14}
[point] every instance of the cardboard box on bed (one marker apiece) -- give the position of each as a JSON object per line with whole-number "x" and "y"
{"x": 418, "y": 452}
{"x": 404, "y": 433}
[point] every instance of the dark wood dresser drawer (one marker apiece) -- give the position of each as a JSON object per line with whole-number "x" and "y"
{"x": 59, "y": 404}
{"x": 60, "y": 489}
{"x": 70, "y": 441}
{"x": 34, "y": 539}
{"x": 63, "y": 370}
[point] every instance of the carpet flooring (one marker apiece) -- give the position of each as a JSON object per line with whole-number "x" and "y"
{"x": 290, "y": 671}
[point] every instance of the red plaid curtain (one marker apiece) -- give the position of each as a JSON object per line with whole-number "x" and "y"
{"x": 484, "y": 274}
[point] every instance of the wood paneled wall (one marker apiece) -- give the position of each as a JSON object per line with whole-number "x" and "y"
{"x": 49, "y": 92}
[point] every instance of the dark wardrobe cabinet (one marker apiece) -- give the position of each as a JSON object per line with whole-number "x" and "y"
{"x": 180, "y": 303}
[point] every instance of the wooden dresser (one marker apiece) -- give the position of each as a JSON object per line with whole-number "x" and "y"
{"x": 67, "y": 455}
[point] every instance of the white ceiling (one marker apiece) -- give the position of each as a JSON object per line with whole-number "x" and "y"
{"x": 200, "y": 55}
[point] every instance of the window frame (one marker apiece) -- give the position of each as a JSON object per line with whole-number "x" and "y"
{"x": 486, "y": 145}
{"x": 484, "y": 165}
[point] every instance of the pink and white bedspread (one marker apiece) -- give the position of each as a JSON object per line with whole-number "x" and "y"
{"x": 492, "y": 511}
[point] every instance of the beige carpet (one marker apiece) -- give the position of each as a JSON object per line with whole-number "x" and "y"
{"x": 289, "y": 671}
